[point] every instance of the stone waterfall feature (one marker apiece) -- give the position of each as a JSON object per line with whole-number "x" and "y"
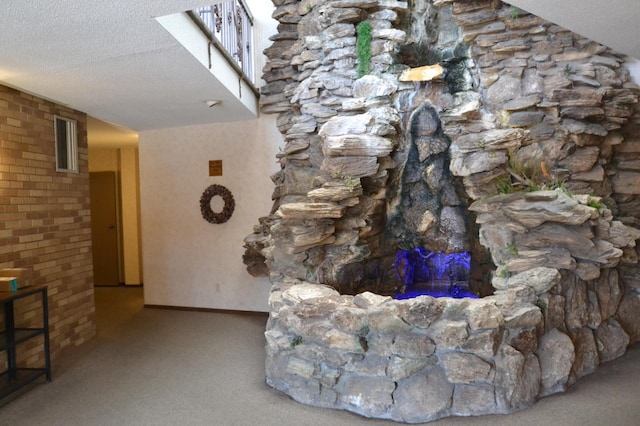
{"x": 522, "y": 154}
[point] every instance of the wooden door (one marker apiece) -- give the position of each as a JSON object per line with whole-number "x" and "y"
{"x": 104, "y": 228}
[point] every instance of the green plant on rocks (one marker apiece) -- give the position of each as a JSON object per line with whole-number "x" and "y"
{"x": 502, "y": 272}
{"x": 297, "y": 340}
{"x": 561, "y": 186}
{"x": 594, "y": 204}
{"x": 349, "y": 181}
{"x": 527, "y": 176}
{"x": 515, "y": 13}
{"x": 542, "y": 305}
{"x": 504, "y": 185}
{"x": 363, "y": 46}
{"x": 568, "y": 70}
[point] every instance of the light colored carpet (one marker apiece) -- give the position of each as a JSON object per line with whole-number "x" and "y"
{"x": 164, "y": 367}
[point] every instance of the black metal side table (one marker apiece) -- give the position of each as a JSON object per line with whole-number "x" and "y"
{"x": 13, "y": 378}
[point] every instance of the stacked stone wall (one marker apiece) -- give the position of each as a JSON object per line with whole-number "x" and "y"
{"x": 541, "y": 128}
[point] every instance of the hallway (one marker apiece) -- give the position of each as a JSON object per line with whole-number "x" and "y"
{"x": 168, "y": 367}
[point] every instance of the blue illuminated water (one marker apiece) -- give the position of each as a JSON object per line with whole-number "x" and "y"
{"x": 434, "y": 274}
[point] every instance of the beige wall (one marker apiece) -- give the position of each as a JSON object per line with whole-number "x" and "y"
{"x": 130, "y": 198}
{"x": 188, "y": 261}
{"x": 103, "y": 160}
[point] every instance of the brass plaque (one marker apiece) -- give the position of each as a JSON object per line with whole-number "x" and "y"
{"x": 215, "y": 168}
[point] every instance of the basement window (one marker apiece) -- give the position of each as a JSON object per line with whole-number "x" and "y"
{"x": 66, "y": 144}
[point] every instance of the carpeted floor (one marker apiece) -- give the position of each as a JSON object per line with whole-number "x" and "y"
{"x": 164, "y": 367}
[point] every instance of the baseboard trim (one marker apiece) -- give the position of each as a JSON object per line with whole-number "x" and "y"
{"x": 212, "y": 310}
{"x": 120, "y": 285}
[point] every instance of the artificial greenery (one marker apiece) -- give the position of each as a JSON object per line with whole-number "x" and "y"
{"x": 363, "y": 46}
{"x": 515, "y": 13}
{"x": 349, "y": 181}
{"x": 568, "y": 70}
{"x": 560, "y": 185}
{"x": 352, "y": 183}
{"x": 310, "y": 273}
{"x": 297, "y": 340}
{"x": 542, "y": 305}
{"x": 522, "y": 176}
{"x": 503, "y": 272}
{"x": 594, "y": 204}
{"x": 504, "y": 185}
{"x": 528, "y": 176}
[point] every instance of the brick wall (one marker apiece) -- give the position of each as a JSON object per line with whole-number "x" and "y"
{"x": 45, "y": 219}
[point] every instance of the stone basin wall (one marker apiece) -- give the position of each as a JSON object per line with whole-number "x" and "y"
{"x": 425, "y": 358}
{"x": 542, "y": 134}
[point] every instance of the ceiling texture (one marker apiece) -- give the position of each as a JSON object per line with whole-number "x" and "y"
{"x": 114, "y": 61}
{"x": 613, "y": 23}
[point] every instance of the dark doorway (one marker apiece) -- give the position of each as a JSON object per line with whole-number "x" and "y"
{"x": 104, "y": 228}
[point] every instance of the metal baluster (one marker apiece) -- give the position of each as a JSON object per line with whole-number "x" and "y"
{"x": 230, "y": 22}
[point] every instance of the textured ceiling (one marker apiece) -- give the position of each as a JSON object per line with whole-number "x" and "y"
{"x": 613, "y": 23}
{"x": 112, "y": 60}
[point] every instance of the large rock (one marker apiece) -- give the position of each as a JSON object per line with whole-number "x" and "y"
{"x": 517, "y": 379}
{"x": 586, "y": 353}
{"x": 425, "y": 73}
{"x": 430, "y": 388}
{"x": 541, "y": 279}
{"x": 372, "y": 86}
{"x": 628, "y": 315}
{"x": 309, "y": 293}
{"x": 400, "y": 368}
{"x": 553, "y": 257}
{"x": 412, "y": 345}
{"x": 306, "y": 236}
{"x": 336, "y": 191}
{"x": 556, "y": 355}
{"x": 626, "y": 182}
{"x": 535, "y": 208}
{"x": 310, "y": 211}
{"x": 357, "y": 145}
{"x": 350, "y": 167}
{"x": 506, "y": 88}
{"x": 464, "y": 368}
{"x": 477, "y": 162}
{"x": 483, "y": 314}
{"x": 369, "y": 396}
{"x": 448, "y": 335}
{"x": 611, "y": 339}
{"x": 473, "y": 400}
{"x": 345, "y": 125}
{"x": 490, "y": 140}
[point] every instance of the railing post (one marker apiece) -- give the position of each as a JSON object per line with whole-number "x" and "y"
{"x": 231, "y": 23}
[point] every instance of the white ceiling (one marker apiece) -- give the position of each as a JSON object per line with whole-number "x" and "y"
{"x": 112, "y": 60}
{"x": 614, "y": 23}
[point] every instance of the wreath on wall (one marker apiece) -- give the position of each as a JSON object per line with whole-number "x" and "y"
{"x": 205, "y": 204}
